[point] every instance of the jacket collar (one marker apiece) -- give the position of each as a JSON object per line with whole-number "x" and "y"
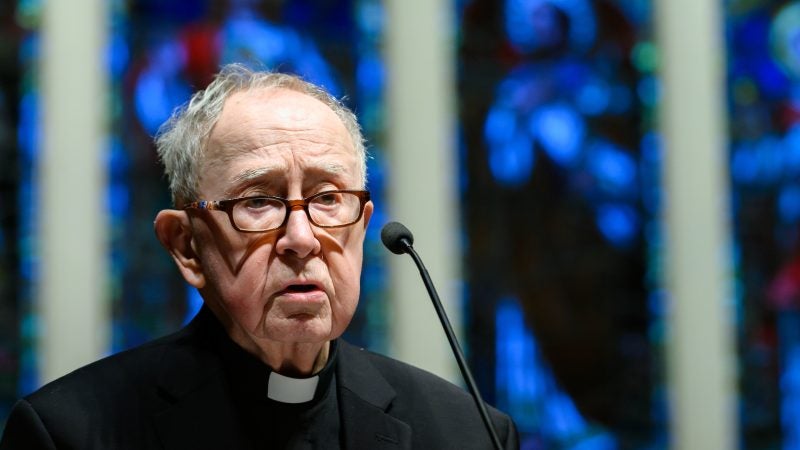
{"x": 193, "y": 378}
{"x": 364, "y": 399}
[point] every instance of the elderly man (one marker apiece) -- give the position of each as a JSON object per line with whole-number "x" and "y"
{"x": 268, "y": 174}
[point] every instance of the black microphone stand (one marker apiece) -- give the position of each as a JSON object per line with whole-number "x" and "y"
{"x": 451, "y": 337}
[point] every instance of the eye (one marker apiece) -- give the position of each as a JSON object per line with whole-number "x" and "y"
{"x": 328, "y": 199}
{"x": 258, "y": 203}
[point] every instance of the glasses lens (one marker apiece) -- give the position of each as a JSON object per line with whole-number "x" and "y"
{"x": 334, "y": 208}
{"x": 259, "y": 214}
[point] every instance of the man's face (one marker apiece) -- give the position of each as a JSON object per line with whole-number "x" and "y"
{"x": 298, "y": 284}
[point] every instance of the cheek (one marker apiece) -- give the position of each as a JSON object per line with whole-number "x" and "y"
{"x": 239, "y": 282}
{"x": 345, "y": 270}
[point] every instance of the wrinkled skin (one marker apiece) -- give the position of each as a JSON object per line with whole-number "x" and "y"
{"x": 281, "y": 295}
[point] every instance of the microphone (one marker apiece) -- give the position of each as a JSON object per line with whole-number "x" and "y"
{"x": 398, "y": 239}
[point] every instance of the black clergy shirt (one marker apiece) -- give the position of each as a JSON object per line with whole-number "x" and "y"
{"x": 197, "y": 389}
{"x": 274, "y": 424}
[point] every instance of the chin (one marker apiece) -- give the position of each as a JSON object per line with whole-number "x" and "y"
{"x": 300, "y": 331}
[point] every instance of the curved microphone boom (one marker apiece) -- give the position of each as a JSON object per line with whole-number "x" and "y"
{"x": 398, "y": 239}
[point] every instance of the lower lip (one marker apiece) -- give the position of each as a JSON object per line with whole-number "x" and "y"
{"x": 315, "y": 295}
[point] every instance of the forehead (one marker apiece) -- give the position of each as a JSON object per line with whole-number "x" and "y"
{"x": 257, "y": 115}
{"x": 273, "y": 130}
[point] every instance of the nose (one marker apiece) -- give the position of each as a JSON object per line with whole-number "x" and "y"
{"x": 298, "y": 237}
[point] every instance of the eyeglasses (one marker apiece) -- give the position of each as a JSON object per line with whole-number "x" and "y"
{"x": 328, "y": 209}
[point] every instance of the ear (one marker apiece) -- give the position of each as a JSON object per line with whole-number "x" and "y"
{"x": 175, "y": 233}
{"x": 368, "y": 208}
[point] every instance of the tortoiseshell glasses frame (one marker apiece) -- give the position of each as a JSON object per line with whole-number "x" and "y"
{"x": 261, "y": 213}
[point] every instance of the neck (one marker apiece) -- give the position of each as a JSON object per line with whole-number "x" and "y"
{"x": 299, "y": 360}
{"x": 289, "y": 359}
{"x": 295, "y": 360}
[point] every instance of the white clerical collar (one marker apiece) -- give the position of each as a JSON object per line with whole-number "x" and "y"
{"x": 291, "y": 390}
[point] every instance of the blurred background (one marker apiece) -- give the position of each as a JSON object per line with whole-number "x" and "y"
{"x": 555, "y": 179}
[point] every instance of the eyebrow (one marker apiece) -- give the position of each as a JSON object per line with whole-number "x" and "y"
{"x": 259, "y": 173}
{"x": 248, "y": 175}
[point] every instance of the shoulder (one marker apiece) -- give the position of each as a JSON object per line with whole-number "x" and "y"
{"x": 115, "y": 394}
{"x": 408, "y": 379}
{"x": 431, "y": 405}
{"x": 117, "y": 373}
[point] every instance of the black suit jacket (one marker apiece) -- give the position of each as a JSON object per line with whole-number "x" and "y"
{"x": 172, "y": 393}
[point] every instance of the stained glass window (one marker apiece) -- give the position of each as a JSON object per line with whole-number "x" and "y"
{"x": 763, "y": 75}
{"x": 556, "y": 99}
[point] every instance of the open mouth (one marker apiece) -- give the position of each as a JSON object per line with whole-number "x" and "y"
{"x": 301, "y": 288}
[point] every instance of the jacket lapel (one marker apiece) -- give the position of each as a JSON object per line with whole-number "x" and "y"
{"x": 196, "y": 411}
{"x": 202, "y": 419}
{"x": 364, "y": 397}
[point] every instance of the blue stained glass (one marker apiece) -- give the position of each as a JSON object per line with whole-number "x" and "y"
{"x": 535, "y": 24}
{"x": 29, "y": 48}
{"x": 512, "y": 162}
{"x": 621, "y": 99}
{"x": 245, "y": 37}
{"x": 560, "y": 130}
{"x": 29, "y": 374}
{"x": 118, "y": 198}
{"x": 750, "y": 37}
{"x": 772, "y": 81}
{"x": 527, "y": 389}
{"x": 595, "y": 442}
{"x": 619, "y": 223}
{"x": 117, "y": 55}
{"x": 370, "y": 74}
{"x": 767, "y": 161}
{"x": 791, "y": 149}
{"x": 789, "y": 335}
{"x": 311, "y": 63}
{"x": 159, "y": 89}
{"x": 194, "y": 301}
{"x": 333, "y": 17}
{"x": 650, "y": 168}
{"x": 790, "y": 404}
{"x": 501, "y": 125}
{"x": 648, "y": 90}
{"x": 27, "y": 130}
{"x": 783, "y": 36}
{"x": 570, "y": 73}
{"x": 656, "y": 302}
{"x": 614, "y": 169}
{"x": 744, "y": 167}
{"x": 769, "y": 156}
{"x": 175, "y": 11}
{"x": 789, "y": 203}
{"x": 118, "y": 161}
{"x": 511, "y": 155}
{"x": 376, "y": 184}
{"x": 249, "y": 37}
{"x": 593, "y": 98}
{"x": 370, "y": 18}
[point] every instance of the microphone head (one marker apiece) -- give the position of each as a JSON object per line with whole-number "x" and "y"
{"x": 396, "y": 237}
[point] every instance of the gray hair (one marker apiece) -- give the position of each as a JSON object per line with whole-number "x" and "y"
{"x": 181, "y": 140}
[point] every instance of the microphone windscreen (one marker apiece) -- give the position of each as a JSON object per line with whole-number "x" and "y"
{"x": 393, "y": 234}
